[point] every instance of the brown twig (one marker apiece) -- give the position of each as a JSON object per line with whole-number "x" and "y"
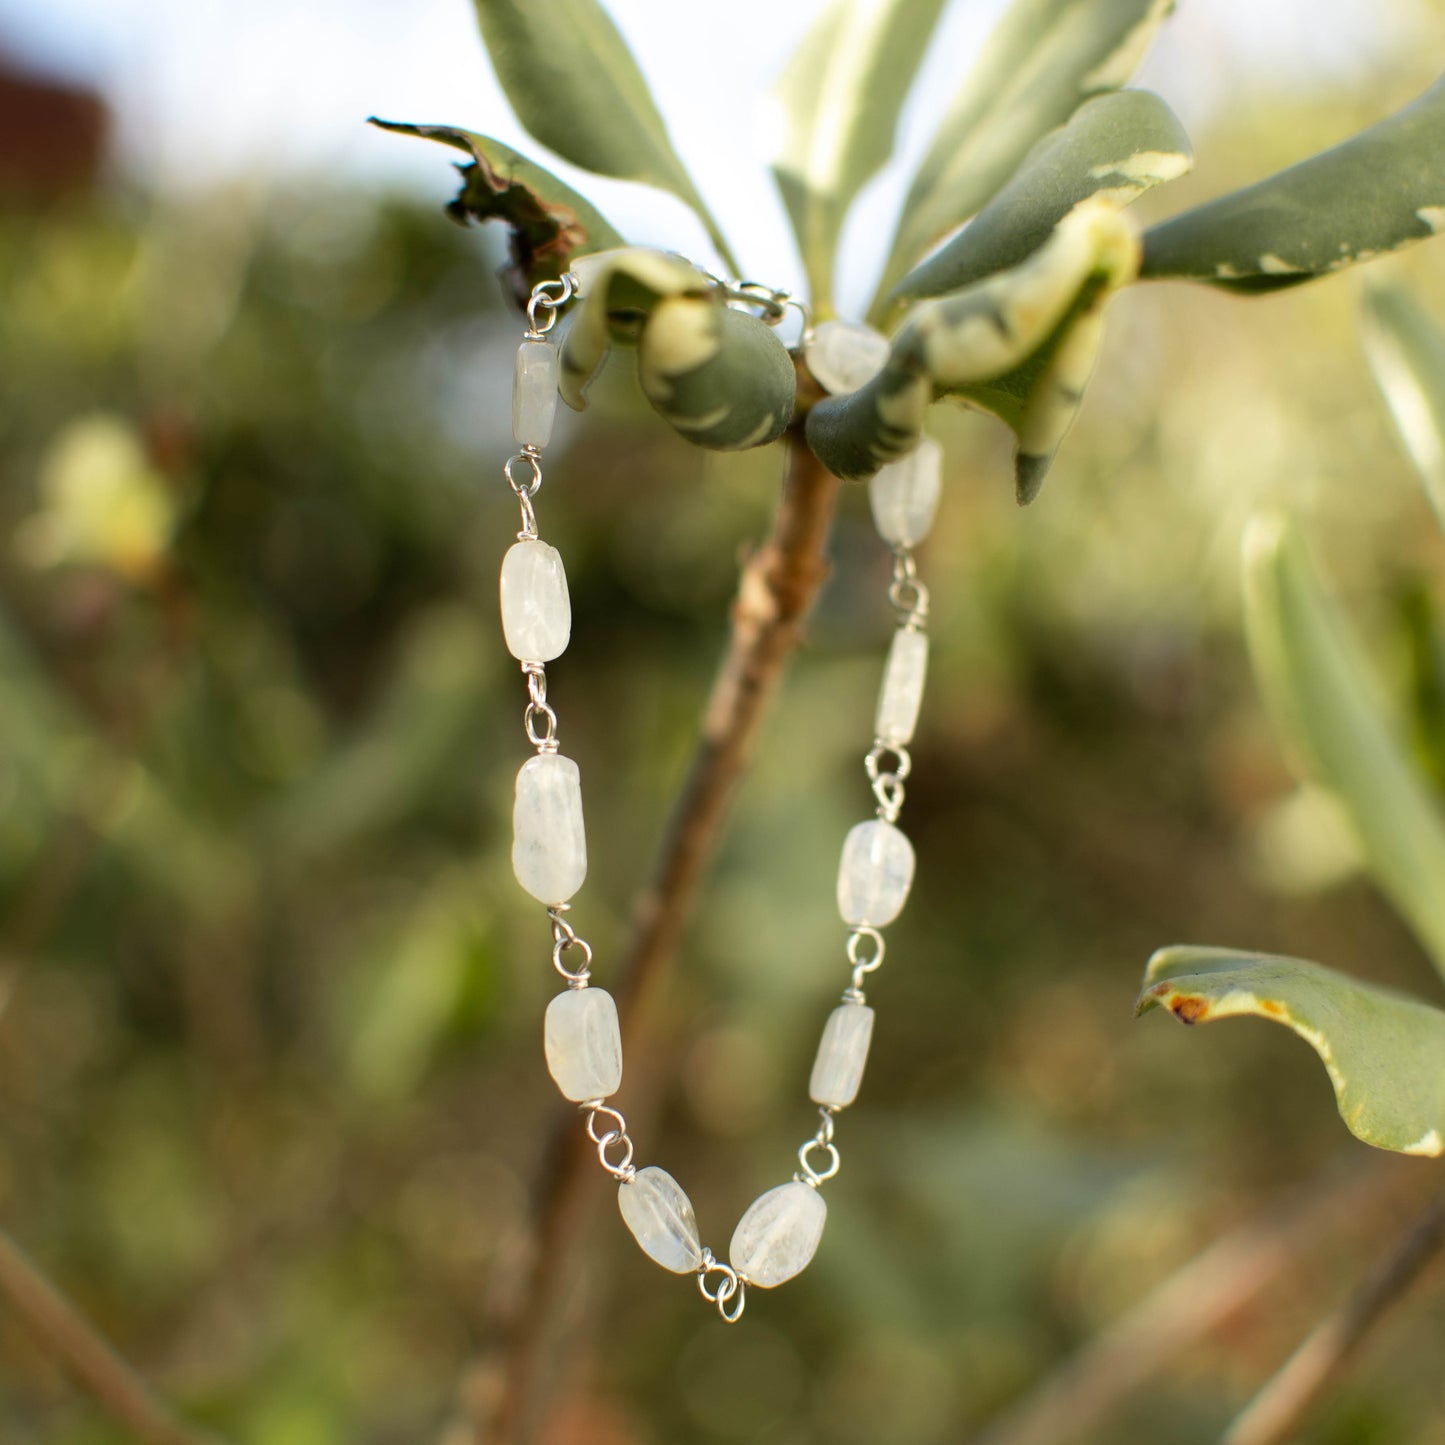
{"x": 1279, "y": 1409}
{"x": 1193, "y": 1303}
{"x": 117, "y": 1388}
{"x": 778, "y": 586}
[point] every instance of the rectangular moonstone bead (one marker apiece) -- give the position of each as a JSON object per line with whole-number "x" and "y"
{"x": 534, "y": 393}
{"x": 536, "y": 606}
{"x": 779, "y": 1234}
{"x": 874, "y": 875}
{"x": 904, "y": 494}
{"x": 842, "y": 1053}
{"x": 549, "y": 842}
{"x": 902, "y": 692}
{"x": 661, "y": 1219}
{"x": 583, "y": 1044}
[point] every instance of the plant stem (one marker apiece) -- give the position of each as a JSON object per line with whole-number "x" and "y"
{"x": 1280, "y": 1408}
{"x": 117, "y": 1387}
{"x": 778, "y": 586}
{"x": 1194, "y": 1302}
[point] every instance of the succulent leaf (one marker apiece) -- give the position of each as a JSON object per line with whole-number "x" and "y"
{"x": 1019, "y": 344}
{"x": 1382, "y": 1051}
{"x": 1372, "y": 194}
{"x": 575, "y": 85}
{"x": 841, "y": 95}
{"x": 1043, "y": 59}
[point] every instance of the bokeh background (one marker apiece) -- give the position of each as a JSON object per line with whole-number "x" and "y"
{"x": 271, "y": 1092}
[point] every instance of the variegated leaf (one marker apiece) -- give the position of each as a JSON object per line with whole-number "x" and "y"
{"x": 1328, "y": 704}
{"x": 619, "y": 291}
{"x": 1019, "y": 344}
{"x": 1382, "y": 1051}
{"x": 1116, "y": 146}
{"x": 720, "y": 377}
{"x": 1043, "y": 59}
{"x": 574, "y": 84}
{"x": 840, "y": 97}
{"x": 550, "y": 223}
{"x": 1379, "y": 191}
{"x": 1407, "y": 351}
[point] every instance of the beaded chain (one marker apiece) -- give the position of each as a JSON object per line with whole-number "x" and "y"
{"x": 780, "y": 1231}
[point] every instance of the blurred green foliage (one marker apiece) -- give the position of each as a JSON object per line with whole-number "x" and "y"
{"x": 269, "y": 1065}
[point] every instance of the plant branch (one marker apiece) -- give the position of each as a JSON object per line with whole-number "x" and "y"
{"x": 1280, "y": 1408}
{"x": 1193, "y": 1303}
{"x": 116, "y": 1387}
{"x": 778, "y": 586}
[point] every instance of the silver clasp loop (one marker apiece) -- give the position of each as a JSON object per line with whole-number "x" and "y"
{"x": 548, "y": 297}
{"x": 730, "y": 1294}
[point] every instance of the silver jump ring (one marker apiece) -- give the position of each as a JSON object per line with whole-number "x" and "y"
{"x": 594, "y": 1107}
{"x": 576, "y": 978}
{"x": 815, "y": 1177}
{"x": 547, "y": 741}
{"x": 873, "y": 763}
{"x": 867, "y": 963}
{"x": 529, "y": 487}
{"x": 542, "y": 298}
{"x": 730, "y": 1295}
{"x": 623, "y": 1168}
{"x": 910, "y": 596}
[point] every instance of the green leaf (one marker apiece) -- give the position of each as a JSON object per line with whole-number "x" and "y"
{"x": 1116, "y": 146}
{"x": 550, "y": 223}
{"x": 1043, "y": 59}
{"x": 1325, "y": 699}
{"x": 1019, "y": 344}
{"x": 1379, "y": 191}
{"x": 719, "y": 376}
{"x": 1382, "y": 1051}
{"x": 1407, "y": 351}
{"x": 841, "y": 95}
{"x": 619, "y": 290}
{"x": 574, "y": 84}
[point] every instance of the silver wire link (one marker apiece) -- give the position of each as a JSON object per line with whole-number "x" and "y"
{"x": 730, "y": 1293}
{"x": 525, "y": 490}
{"x": 548, "y": 297}
{"x": 565, "y": 937}
{"x": 538, "y": 708}
{"x": 822, "y": 1140}
{"x": 907, "y": 592}
{"x": 888, "y": 782}
{"x": 615, "y": 1138}
{"x": 863, "y": 964}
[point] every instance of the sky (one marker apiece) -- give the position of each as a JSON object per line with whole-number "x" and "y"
{"x": 204, "y": 91}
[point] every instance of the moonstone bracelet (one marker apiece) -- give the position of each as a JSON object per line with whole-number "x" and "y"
{"x": 780, "y": 1231}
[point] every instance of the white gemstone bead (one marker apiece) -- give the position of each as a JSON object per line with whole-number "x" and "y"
{"x": 843, "y": 355}
{"x": 536, "y": 608}
{"x": 905, "y": 494}
{"x": 902, "y": 692}
{"x": 779, "y": 1234}
{"x": 842, "y": 1053}
{"x": 661, "y": 1219}
{"x": 583, "y": 1044}
{"x": 549, "y": 843}
{"x": 875, "y": 874}
{"x": 534, "y": 393}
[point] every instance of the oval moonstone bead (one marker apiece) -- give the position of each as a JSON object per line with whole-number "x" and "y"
{"x": 904, "y": 494}
{"x": 779, "y": 1234}
{"x": 536, "y": 607}
{"x": 842, "y": 1053}
{"x": 844, "y": 355}
{"x": 661, "y": 1219}
{"x": 534, "y": 393}
{"x": 874, "y": 875}
{"x": 549, "y": 842}
{"x": 902, "y": 692}
{"x": 583, "y": 1044}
